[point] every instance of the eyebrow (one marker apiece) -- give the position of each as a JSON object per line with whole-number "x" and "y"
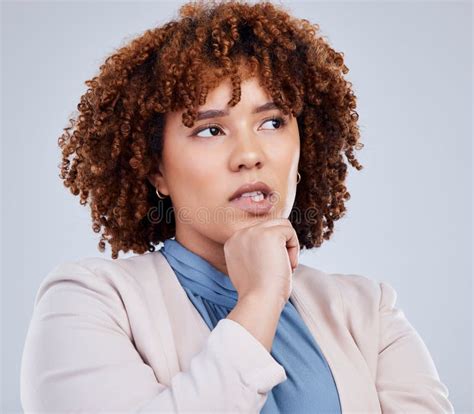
{"x": 215, "y": 113}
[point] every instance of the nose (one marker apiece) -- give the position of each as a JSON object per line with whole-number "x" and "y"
{"x": 248, "y": 153}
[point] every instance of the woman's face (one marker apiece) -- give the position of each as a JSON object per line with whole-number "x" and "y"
{"x": 204, "y": 165}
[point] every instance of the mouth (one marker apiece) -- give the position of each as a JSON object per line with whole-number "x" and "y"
{"x": 254, "y": 190}
{"x": 255, "y": 202}
{"x": 255, "y": 196}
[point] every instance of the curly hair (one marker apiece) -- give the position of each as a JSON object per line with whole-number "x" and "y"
{"x": 115, "y": 140}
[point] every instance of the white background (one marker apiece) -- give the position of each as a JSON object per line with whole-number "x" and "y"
{"x": 409, "y": 219}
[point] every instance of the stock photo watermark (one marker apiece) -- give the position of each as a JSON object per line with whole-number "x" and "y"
{"x": 224, "y": 215}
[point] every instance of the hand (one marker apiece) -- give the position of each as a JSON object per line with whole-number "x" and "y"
{"x": 260, "y": 259}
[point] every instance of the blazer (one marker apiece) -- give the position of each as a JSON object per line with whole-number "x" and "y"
{"x": 122, "y": 336}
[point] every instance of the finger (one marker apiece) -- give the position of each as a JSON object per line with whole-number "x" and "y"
{"x": 291, "y": 242}
{"x": 274, "y": 222}
{"x": 293, "y": 247}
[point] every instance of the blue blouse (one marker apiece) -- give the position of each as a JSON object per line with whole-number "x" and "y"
{"x": 310, "y": 386}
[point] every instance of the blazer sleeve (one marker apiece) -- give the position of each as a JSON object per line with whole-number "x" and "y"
{"x": 407, "y": 380}
{"x": 79, "y": 356}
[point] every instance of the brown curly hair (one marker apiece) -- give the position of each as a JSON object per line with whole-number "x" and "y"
{"x": 116, "y": 137}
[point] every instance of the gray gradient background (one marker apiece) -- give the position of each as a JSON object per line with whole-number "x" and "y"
{"x": 409, "y": 219}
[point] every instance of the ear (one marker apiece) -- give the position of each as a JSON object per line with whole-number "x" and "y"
{"x": 158, "y": 181}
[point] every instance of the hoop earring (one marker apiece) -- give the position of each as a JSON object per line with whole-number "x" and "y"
{"x": 159, "y": 196}
{"x": 299, "y": 178}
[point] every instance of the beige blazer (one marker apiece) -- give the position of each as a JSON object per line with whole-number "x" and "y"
{"x": 122, "y": 336}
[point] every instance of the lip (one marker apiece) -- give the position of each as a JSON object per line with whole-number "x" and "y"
{"x": 249, "y": 187}
{"x": 254, "y": 207}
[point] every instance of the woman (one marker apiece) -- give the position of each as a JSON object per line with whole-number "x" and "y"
{"x": 222, "y": 135}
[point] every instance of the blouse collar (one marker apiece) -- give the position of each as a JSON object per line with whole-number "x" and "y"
{"x": 197, "y": 274}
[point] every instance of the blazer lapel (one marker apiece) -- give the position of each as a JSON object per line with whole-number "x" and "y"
{"x": 318, "y": 300}
{"x": 190, "y": 331}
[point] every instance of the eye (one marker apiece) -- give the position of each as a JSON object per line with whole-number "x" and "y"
{"x": 210, "y": 127}
{"x": 279, "y": 120}
{"x": 214, "y": 129}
